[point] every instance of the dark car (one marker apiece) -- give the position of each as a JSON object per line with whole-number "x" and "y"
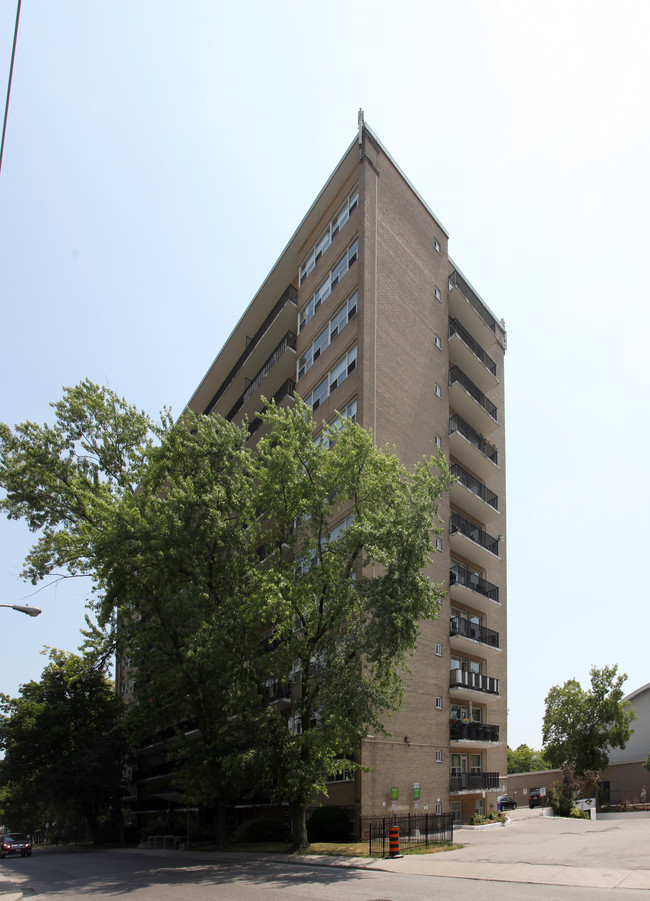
{"x": 506, "y": 803}
{"x": 16, "y": 843}
{"x": 536, "y": 798}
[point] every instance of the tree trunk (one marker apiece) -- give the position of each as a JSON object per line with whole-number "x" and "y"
{"x": 221, "y": 824}
{"x": 299, "y": 827}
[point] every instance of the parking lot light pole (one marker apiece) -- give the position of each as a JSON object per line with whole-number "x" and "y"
{"x": 24, "y": 608}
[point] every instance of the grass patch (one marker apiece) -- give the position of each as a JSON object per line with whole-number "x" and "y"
{"x": 360, "y": 849}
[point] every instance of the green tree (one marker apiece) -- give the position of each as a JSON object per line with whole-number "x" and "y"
{"x": 580, "y": 725}
{"x": 198, "y": 544}
{"x": 525, "y": 760}
{"x": 63, "y": 749}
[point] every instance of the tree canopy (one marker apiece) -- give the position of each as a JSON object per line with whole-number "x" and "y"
{"x": 238, "y": 577}
{"x": 63, "y": 749}
{"x": 525, "y": 760}
{"x": 581, "y": 724}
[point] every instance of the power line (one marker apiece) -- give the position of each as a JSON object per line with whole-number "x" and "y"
{"x": 11, "y": 72}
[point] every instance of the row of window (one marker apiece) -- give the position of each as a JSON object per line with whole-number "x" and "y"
{"x": 333, "y": 379}
{"x": 336, "y": 324}
{"x": 326, "y": 287}
{"x": 328, "y": 235}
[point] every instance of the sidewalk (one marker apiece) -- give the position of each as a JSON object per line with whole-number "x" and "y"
{"x": 8, "y": 891}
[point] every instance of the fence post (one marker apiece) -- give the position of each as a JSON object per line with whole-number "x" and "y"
{"x": 370, "y": 840}
{"x": 426, "y": 830}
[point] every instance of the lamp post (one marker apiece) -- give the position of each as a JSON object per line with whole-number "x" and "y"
{"x": 24, "y": 608}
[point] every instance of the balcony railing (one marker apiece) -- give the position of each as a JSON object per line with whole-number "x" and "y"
{"x": 455, "y": 328}
{"x": 476, "y": 487}
{"x": 285, "y": 390}
{"x": 459, "y": 575}
{"x": 456, "y": 424}
{"x": 289, "y": 341}
{"x": 457, "y": 375}
{"x": 462, "y": 678}
{"x": 458, "y": 523}
{"x": 461, "y": 730}
{"x": 457, "y": 281}
{"x": 473, "y": 781}
{"x": 458, "y": 625}
{"x": 290, "y": 295}
{"x": 278, "y": 691}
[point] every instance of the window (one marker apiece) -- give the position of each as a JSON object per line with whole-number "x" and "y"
{"x": 456, "y": 811}
{"x": 438, "y": 808}
{"x": 349, "y": 412}
{"x": 438, "y": 703}
{"x": 475, "y": 764}
{"x": 436, "y": 244}
{"x": 438, "y": 544}
{"x": 438, "y": 650}
{"x": 436, "y": 291}
{"x": 437, "y": 342}
{"x": 333, "y": 379}
{"x": 438, "y": 441}
{"x": 438, "y": 756}
{"x": 337, "y": 223}
{"x": 437, "y": 391}
{"x": 329, "y": 333}
{"x": 328, "y": 284}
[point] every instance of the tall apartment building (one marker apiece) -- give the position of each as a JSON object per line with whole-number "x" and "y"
{"x": 365, "y": 315}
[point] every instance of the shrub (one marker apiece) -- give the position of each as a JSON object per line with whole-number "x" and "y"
{"x": 577, "y": 814}
{"x": 328, "y": 824}
{"x": 261, "y": 829}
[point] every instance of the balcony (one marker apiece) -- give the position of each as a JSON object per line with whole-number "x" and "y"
{"x": 471, "y": 588}
{"x": 462, "y": 678}
{"x": 285, "y": 390}
{"x": 461, "y": 782}
{"x": 472, "y": 449}
{"x": 468, "y": 400}
{"x": 464, "y": 628}
{"x": 288, "y": 342}
{"x": 278, "y": 693}
{"x": 281, "y": 317}
{"x": 466, "y": 306}
{"x": 472, "y": 541}
{"x": 473, "y": 496}
{"x": 470, "y": 356}
{"x": 462, "y": 730}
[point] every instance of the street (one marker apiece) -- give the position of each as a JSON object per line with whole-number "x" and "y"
{"x": 63, "y": 875}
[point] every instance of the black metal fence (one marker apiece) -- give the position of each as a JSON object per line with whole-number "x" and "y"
{"x": 415, "y": 831}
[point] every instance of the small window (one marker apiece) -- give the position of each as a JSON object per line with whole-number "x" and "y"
{"x": 436, "y": 291}
{"x": 437, "y": 390}
{"x": 438, "y": 760}
{"x": 437, "y": 342}
{"x": 438, "y": 441}
{"x": 438, "y": 650}
{"x": 438, "y": 808}
{"x": 438, "y": 544}
{"x": 438, "y": 703}
{"x": 436, "y": 244}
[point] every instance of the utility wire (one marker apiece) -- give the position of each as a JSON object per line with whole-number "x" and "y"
{"x": 11, "y": 72}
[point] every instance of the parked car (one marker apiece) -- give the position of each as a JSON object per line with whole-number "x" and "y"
{"x": 506, "y": 803}
{"x": 16, "y": 843}
{"x": 536, "y": 798}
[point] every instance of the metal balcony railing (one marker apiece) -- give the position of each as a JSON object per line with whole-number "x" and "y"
{"x": 456, "y": 280}
{"x": 290, "y": 295}
{"x": 455, "y": 328}
{"x": 457, "y": 375}
{"x": 459, "y": 782}
{"x": 458, "y": 523}
{"x": 285, "y": 390}
{"x": 462, "y": 678}
{"x": 462, "y": 576}
{"x": 458, "y": 625}
{"x": 457, "y": 424}
{"x": 288, "y": 341}
{"x": 476, "y": 487}
{"x": 461, "y": 730}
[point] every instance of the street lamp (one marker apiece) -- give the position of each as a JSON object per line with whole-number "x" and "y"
{"x": 23, "y": 608}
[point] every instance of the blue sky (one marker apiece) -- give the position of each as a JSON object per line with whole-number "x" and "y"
{"x": 160, "y": 154}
